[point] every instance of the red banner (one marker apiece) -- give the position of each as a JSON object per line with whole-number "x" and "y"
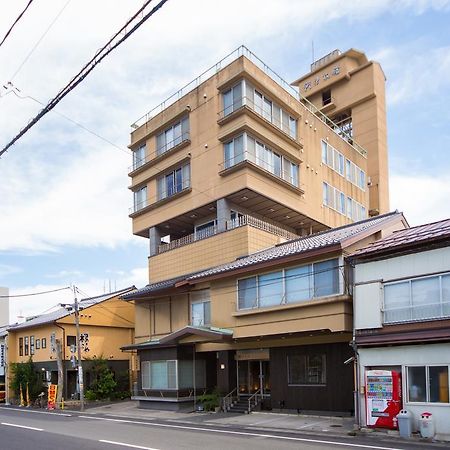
{"x": 51, "y": 402}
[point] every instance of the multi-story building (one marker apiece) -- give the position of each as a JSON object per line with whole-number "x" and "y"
{"x": 106, "y": 324}
{"x": 402, "y": 318}
{"x": 239, "y": 161}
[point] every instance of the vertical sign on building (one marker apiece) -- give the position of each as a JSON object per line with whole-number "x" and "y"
{"x": 2, "y": 360}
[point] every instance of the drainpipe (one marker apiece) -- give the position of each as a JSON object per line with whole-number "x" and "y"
{"x": 356, "y": 372}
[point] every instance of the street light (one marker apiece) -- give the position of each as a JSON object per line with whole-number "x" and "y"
{"x": 76, "y": 309}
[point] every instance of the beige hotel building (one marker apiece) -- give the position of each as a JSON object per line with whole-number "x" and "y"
{"x": 251, "y": 191}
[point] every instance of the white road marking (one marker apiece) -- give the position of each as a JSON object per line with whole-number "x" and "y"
{"x": 21, "y": 426}
{"x": 242, "y": 433}
{"x": 35, "y": 412}
{"x": 127, "y": 445}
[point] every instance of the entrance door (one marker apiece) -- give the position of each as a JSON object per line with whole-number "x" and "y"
{"x": 253, "y": 376}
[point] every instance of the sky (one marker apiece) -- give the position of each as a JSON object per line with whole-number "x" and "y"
{"x": 64, "y": 200}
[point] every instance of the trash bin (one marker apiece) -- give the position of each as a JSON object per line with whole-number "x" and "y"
{"x": 426, "y": 425}
{"x": 404, "y": 420}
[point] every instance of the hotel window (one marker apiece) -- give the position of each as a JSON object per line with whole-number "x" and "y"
{"x": 27, "y": 346}
{"x": 44, "y": 343}
{"x": 355, "y": 211}
{"x": 246, "y": 148}
{"x": 31, "y": 345}
{"x": 21, "y": 346}
{"x": 355, "y": 175}
{"x": 38, "y": 344}
{"x": 234, "y": 99}
{"x": 200, "y": 308}
{"x": 291, "y": 285}
{"x": 417, "y": 299}
{"x": 139, "y": 157}
{"x": 307, "y": 369}
{"x": 159, "y": 374}
{"x": 326, "y": 97}
{"x": 174, "y": 182}
{"x": 428, "y": 384}
{"x": 140, "y": 198}
{"x": 334, "y": 198}
{"x": 333, "y": 158}
{"x": 172, "y": 136}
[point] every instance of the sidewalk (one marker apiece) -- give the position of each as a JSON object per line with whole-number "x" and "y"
{"x": 261, "y": 421}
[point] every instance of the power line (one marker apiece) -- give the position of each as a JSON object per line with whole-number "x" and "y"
{"x": 35, "y": 293}
{"x": 84, "y": 72}
{"x": 15, "y": 22}
{"x": 78, "y": 124}
{"x": 39, "y": 40}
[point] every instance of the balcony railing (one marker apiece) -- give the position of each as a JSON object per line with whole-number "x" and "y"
{"x": 278, "y": 172}
{"x": 269, "y": 116}
{"x": 244, "y": 51}
{"x": 229, "y": 225}
{"x": 177, "y": 142}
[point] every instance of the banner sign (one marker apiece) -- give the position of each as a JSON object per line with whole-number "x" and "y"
{"x": 2, "y": 359}
{"x": 51, "y": 401}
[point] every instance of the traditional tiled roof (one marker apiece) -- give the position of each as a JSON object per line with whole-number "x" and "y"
{"x": 411, "y": 237}
{"x": 60, "y": 313}
{"x": 305, "y": 244}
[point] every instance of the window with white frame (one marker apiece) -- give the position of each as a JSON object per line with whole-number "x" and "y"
{"x": 172, "y": 136}
{"x": 417, "y": 299}
{"x": 355, "y": 210}
{"x": 246, "y": 148}
{"x": 243, "y": 93}
{"x": 307, "y": 369}
{"x": 291, "y": 285}
{"x": 139, "y": 156}
{"x": 140, "y": 198}
{"x": 428, "y": 384}
{"x": 200, "y": 308}
{"x": 333, "y": 198}
{"x": 173, "y": 182}
{"x": 355, "y": 174}
{"x": 172, "y": 374}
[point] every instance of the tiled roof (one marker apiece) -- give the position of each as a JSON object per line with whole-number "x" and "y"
{"x": 419, "y": 235}
{"x": 315, "y": 241}
{"x": 4, "y": 330}
{"x": 63, "y": 312}
{"x": 153, "y": 287}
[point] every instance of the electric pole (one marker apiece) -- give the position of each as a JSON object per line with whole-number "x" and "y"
{"x": 80, "y": 366}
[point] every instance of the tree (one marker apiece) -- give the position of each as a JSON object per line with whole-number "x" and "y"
{"x": 23, "y": 374}
{"x": 103, "y": 385}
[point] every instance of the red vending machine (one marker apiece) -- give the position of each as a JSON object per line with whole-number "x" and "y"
{"x": 383, "y": 398}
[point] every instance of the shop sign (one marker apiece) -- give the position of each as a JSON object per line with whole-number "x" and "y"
{"x": 252, "y": 354}
{"x": 51, "y": 401}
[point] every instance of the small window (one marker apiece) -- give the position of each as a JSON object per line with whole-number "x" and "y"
{"x": 27, "y": 345}
{"x": 326, "y": 97}
{"x": 31, "y": 345}
{"x": 38, "y": 344}
{"x": 200, "y": 308}
{"x": 428, "y": 384}
{"x": 21, "y": 346}
{"x": 71, "y": 340}
{"x": 44, "y": 342}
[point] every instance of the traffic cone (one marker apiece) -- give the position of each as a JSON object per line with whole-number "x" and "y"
{"x": 22, "y": 403}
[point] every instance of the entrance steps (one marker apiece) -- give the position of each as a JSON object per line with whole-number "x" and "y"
{"x": 241, "y": 407}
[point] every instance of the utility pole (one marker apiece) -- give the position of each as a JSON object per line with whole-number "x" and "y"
{"x": 80, "y": 366}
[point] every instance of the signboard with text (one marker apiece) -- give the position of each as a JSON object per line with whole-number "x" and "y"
{"x": 51, "y": 401}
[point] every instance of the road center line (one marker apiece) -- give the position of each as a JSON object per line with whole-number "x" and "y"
{"x": 127, "y": 445}
{"x": 22, "y": 426}
{"x": 242, "y": 433}
{"x": 35, "y": 412}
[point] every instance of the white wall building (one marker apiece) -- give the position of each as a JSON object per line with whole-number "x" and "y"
{"x": 4, "y": 306}
{"x": 402, "y": 318}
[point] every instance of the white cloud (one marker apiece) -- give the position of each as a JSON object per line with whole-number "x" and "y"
{"x": 423, "y": 199}
{"x": 21, "y": 307}
{"x": 6, "y": 269}
{"x": 65, "y": 274}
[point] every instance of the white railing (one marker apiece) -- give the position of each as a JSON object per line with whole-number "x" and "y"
{"x": 253, "y": 400}
{"x": 412, "y": 313}
{"x": 228, "y": 400}
{"x": 229, "y": 225}
{"x": 244, "y": 51}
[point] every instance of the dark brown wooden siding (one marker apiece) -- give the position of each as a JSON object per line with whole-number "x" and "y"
{"x": 336, "y": 395}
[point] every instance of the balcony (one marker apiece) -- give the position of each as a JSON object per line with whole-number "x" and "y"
{"x": 151, "y": 158}
{"x": 240, "y": 221}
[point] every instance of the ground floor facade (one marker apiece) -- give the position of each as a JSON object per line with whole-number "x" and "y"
{"x": 424, "y": 370}
{"x": 299, "y": 378}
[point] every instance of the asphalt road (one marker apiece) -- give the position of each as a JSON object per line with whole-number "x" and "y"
{"x": 29, "y": 429}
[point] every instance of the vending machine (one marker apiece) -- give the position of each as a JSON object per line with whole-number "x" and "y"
{"x": 383, "y": 398}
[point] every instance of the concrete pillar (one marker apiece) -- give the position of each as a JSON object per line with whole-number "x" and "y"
{"x": 155, "y": 236}
{"x": 226, "y": 376}
{"x": 223, "y": 213}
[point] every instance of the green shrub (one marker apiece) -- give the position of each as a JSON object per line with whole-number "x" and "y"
{"x": 23, "y": 374}
{"x": 103, "y": 384}
{"x": 90, "y": 395}
{"x": 210, "y": 401}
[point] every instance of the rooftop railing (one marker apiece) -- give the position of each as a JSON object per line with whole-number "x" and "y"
{"x": 230, "y": 225}
{"x": 233, "y": 56}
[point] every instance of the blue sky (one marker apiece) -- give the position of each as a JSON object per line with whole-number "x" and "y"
{"x": 63, "y": 193}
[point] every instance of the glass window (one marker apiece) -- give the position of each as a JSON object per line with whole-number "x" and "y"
{"x": 267, "y": 113}
{"x": 306, "y": 369}
{"x": 425, "y": 298}
{"x": 445, "y": 295}
{"x": 258, "y": 101}
{"x": 298, "y": 284}
{"x": 247, "y": 293}
{"x": 324, "y": 152}
{"x": 38, "y": 344}
{"x": 20, "y": 346}
{"x": 139, "y": 157}
{"x": 396, "y": 302}
{"x": 31, "y": 345}
{"x": 44, "y": 342}
{"x": 200, "y": 308}
{"x": 172, "y": 136}
{"x": 326, "y": 278}
{"x": 292, "y": 127}
{"x": 428, "y": 384}
{"x": 27, "y": 346}
{"x": 140, "y": 198}
{"x": 173, "y": 182}
{"x": 270, "y": 291}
